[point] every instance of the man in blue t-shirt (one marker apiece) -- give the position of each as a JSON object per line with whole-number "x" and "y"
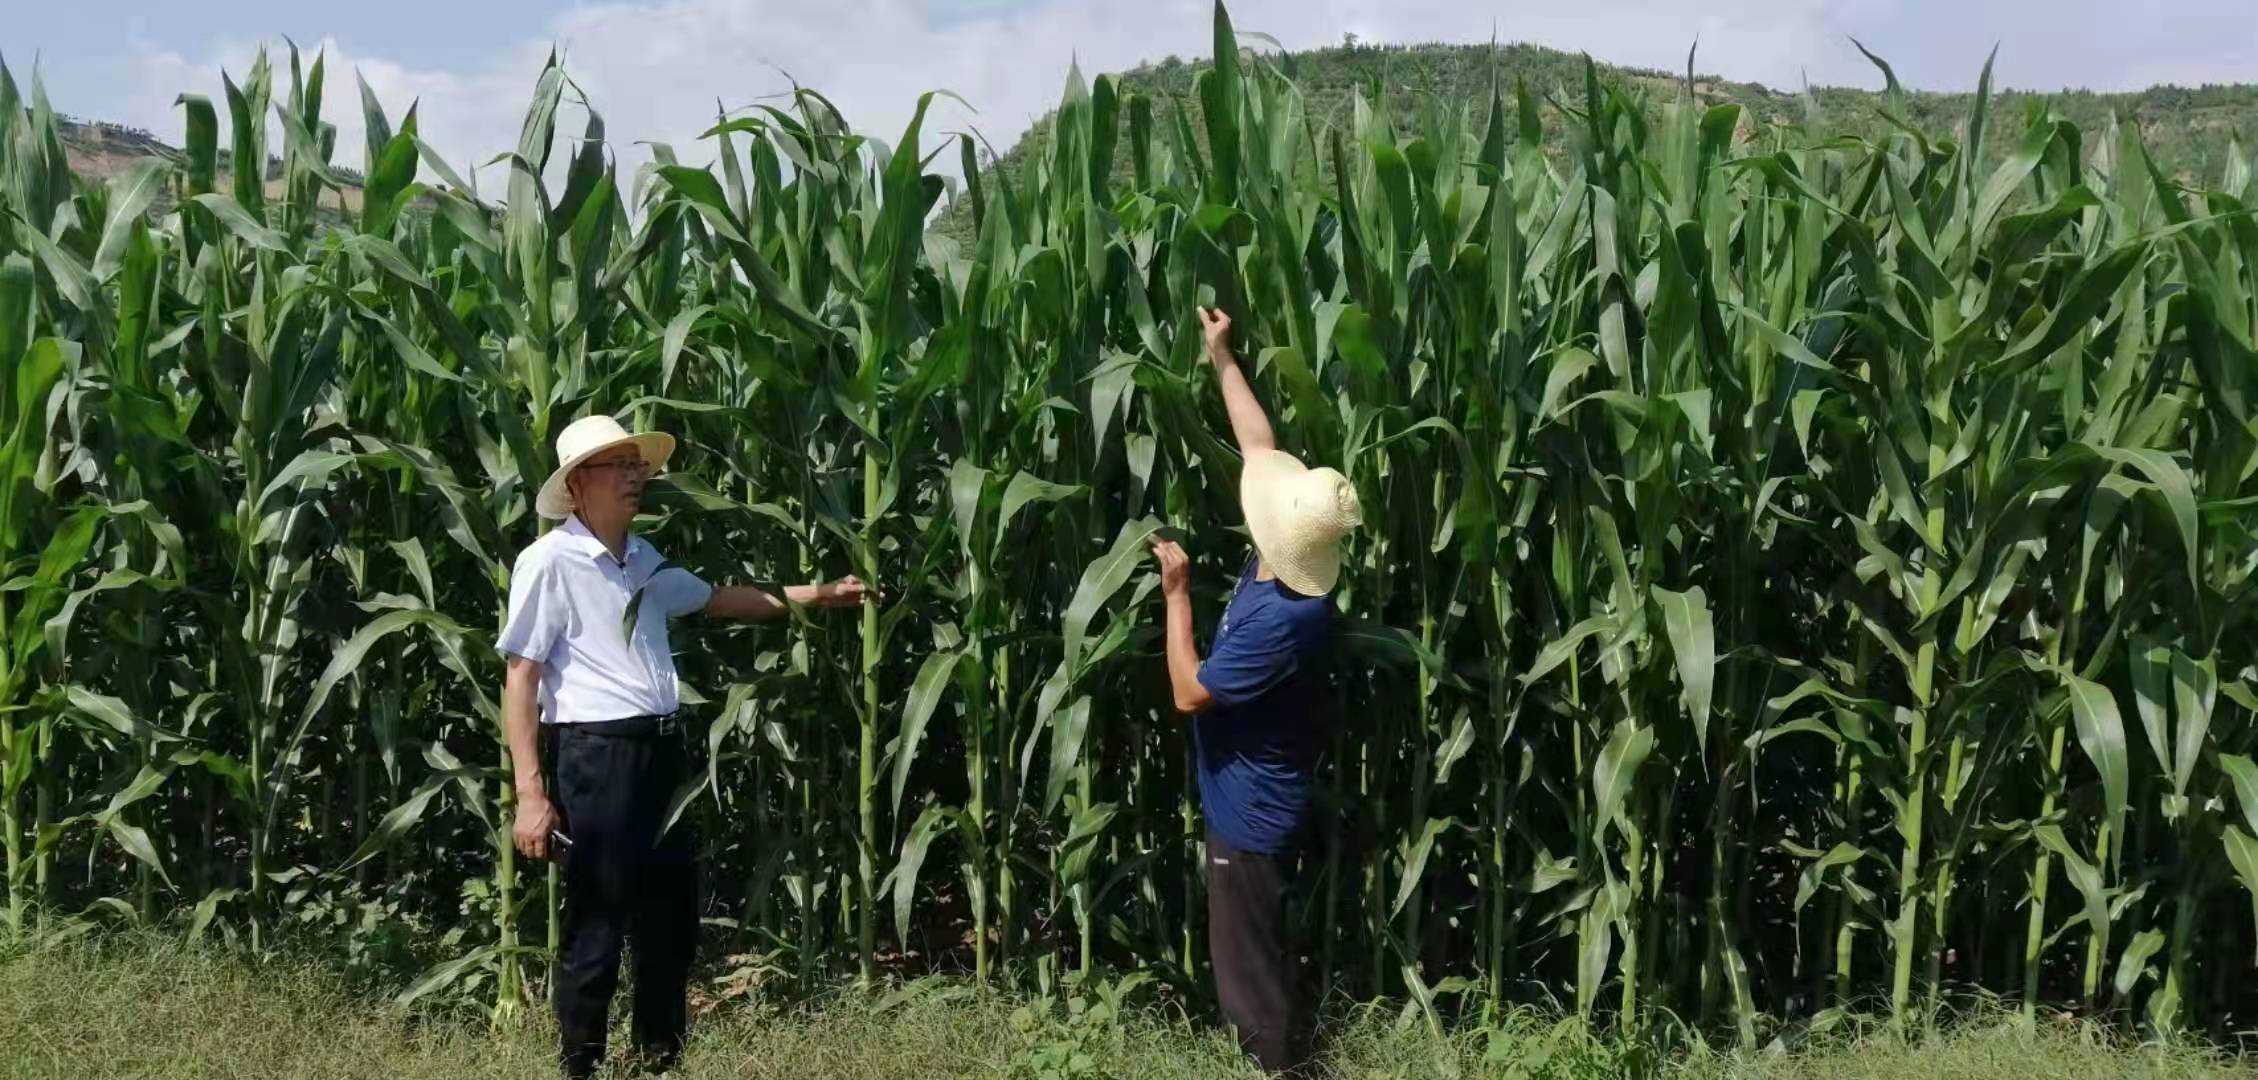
{"x": 1256, "y": 703}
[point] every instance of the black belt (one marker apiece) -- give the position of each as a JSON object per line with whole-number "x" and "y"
{"x": 652, "y": 726}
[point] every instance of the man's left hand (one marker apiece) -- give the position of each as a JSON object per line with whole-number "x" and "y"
{"x": 846, "y": 592}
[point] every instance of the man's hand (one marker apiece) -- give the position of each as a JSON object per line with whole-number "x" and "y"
{"x": 1191, "y": 697}
{"x": 758, "y": 603}
{"x": 846, "y": 592}
{"x": 1217, "y": 327}
{"x": 1175, "y": 569}
{"x": 1248, "y": 423}
{"x": 535, "y": 817}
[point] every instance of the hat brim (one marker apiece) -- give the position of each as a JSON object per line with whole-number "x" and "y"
{"x": 555, "y": 499}
{"x": 1311, "y": 569}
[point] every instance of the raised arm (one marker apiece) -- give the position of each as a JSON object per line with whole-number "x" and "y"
{"x": 1248, "y": 422}
{"x": 761, "y": 603}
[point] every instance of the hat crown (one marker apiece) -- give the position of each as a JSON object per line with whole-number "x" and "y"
{"x": 587, "y": 434}
{"x": 1326, "y": 501}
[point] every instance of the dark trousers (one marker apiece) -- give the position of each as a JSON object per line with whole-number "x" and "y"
{"x": 623, "y": 883}
{"x": 1246, "y": 944}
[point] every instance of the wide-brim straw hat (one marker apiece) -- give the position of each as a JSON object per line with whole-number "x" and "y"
{"x": 1297, "y": 516}
{"x": 585, "y": 438}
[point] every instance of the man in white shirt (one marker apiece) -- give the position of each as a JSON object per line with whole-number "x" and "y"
{"x": 586, "y": 641}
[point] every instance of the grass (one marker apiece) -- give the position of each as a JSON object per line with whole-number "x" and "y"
{"x": 127, "y": 1006}
{"x": 136, "y": 1007}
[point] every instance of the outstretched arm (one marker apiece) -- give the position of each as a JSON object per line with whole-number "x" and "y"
{"x": 1248, "y": 422}
{"x": 758, "y": 603}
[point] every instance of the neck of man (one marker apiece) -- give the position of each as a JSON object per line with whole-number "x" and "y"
{"x": 609, "y": 528}
{"x": 1262, "y": 571}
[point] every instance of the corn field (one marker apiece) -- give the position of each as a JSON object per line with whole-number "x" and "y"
{"x": 1802, "y": 573}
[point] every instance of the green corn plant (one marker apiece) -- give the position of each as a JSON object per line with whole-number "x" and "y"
{"x": 1808, "y": 561}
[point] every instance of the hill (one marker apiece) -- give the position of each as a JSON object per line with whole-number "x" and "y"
{"x": 97, "y": 151}
{"x": 2188, "y": 130}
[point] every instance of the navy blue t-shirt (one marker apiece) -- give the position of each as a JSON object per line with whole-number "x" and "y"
{"x": 1257, "y": 744}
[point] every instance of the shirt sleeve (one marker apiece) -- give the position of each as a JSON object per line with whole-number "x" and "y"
{"x": 537, "y": 613}
{"x": 678, "y": 592}
{"x": 1256, "y": 657}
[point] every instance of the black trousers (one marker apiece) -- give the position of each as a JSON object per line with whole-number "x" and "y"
{"x": 623, "y": 883}
{"x": 1254, "y": 980}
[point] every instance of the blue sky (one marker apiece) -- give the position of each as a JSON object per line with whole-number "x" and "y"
{"x": 656, "y": 68}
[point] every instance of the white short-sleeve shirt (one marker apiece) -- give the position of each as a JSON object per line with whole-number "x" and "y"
{"x": 568, "y": 608}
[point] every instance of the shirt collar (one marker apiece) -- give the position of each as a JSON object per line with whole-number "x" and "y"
{"x": 585, "y": 540}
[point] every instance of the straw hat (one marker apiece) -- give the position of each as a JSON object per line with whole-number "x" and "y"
{"x": 585, "y": 438}
{"x": 1297, "y": 516}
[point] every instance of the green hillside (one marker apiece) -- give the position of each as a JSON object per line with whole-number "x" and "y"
{"x": 2190, "y": 132}
{"x": 99, "y": 151}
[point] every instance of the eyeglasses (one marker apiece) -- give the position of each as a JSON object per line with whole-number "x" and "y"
{"x": 633, "y": 466}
